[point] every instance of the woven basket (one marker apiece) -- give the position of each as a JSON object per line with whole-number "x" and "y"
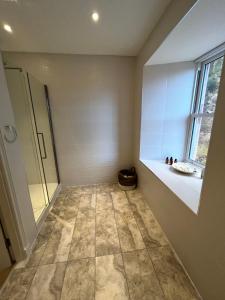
{"x": 127, "y": 179}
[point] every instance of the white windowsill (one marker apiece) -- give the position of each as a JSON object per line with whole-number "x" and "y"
{"x": 186, "y": 187}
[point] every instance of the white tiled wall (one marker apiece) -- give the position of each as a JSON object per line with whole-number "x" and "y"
{"x": 166, "y": 103}
{"x": 92, "y": 109}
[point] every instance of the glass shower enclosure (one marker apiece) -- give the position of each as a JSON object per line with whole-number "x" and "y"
{"x": 30, "y": 103}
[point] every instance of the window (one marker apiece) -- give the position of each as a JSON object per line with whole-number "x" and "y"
{"x": 205, "y": 96}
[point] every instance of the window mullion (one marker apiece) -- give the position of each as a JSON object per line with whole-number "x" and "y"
{"x": 196, "y": 91}
{"x": 200, "y": 120}
{"x": 202, "y": 115}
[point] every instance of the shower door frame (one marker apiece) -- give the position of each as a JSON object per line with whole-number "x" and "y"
{"x": 51, "y": 130}
{"x": 22, "y": 229}
{"x": 37, "y": 144}
{"x": 47, "y": 102}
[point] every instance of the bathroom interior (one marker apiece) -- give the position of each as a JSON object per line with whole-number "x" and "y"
{"x": 87, "y": 89}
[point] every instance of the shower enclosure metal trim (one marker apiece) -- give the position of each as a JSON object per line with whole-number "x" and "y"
{"x": 42, "y": 134}
{"x": 35, "y": 122}
{"x": 51, "y": 129}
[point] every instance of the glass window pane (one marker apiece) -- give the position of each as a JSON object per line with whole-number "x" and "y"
{"x": 200, "y": 139}
{"x": 211, "y": 85}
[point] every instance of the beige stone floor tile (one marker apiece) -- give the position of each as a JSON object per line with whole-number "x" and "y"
{"x": 103, "y": 201}
{"x": 142, "y": 281}
{"x": 47, "y": 283}
{"x": 18, "y": 284}
{"x": 40, "y": 245}
{"x": 110, "y": 278}
{"x": 107, "y": 187}
{"x": 137, "y": 200}
{"x": 150, "y": 229}
{"x": 58, "y": 245}
{"x": 64, "y": 210}
{"x": 175, "y": 283}
{"x": 79, "y": 282}
{"x": 120, "y": 201}
{"x": 82, "y": 190}
{"x": 117, "y": 227}
{"x": 87, "y": 201}
{"x": 83, "y": 240}
{"x": 129, "y": 233}
{"x": 107, "y": 241}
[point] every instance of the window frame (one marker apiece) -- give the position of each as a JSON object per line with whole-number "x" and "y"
{"x": 199, "y": 86}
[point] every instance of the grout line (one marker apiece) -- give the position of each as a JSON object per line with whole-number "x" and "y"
{"x": 67, "y": 262}
{"x": 121, "y": 252}
{"x": 56, "y": 263}
{"x": 83, "y": 258}
{"x": 157, "y": 277}
{"x": 179, "y": 261}
{"x": 147, "y": 251}
{"x": 163, "y": 246}
{"x": 28, "y": 290}
{"x": 125, "y": 274}
{"x": 130, "y": 207}
{"x": 169, "y": 245}
{"x": 66, "y": 195}
{"x": 42, "y": 254}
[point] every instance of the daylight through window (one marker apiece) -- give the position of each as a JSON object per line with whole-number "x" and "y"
{"x": 207, "y": 87}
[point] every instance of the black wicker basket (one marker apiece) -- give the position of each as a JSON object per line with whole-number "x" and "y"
{"x": 127, "y": 179}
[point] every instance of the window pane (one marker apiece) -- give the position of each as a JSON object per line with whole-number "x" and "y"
{"x": 200, "y": 139}
{"x": 211, "y": 82}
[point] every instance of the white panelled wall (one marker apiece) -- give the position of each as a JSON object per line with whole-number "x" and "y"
{"x": 166, "y": 105}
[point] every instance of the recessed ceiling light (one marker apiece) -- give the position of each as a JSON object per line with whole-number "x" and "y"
{"x": 95, "y": 16}
{"x": 7, "y": 28}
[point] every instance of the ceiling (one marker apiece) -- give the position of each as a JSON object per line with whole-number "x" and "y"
{"x": 65, "y": 26}
{"x": 201, "y": 30}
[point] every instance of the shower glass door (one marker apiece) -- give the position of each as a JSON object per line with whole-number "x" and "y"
{"x": 33, "y": 125}
{"x": 28, "y": 139}
{"x": 44, "y": 133}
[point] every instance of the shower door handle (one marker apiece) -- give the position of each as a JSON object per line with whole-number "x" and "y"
{"x": 43, "y": 145}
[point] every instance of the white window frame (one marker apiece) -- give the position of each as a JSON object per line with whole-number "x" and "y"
{"x": 202, "y": 66}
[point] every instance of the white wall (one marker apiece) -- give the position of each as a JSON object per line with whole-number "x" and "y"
{"x": 166, "y": 105}
{"x": 92, "y": 108}
{"x": 197, "y": 239}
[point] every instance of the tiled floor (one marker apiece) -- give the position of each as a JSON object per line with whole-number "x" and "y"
{"x": 100, "y": 243}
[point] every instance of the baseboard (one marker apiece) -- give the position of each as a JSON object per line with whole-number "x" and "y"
{"x": 185, "y": 271}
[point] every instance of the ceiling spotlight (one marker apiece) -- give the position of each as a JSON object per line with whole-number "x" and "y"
{"x": 95, "y": 16}
{"x": 7, "y": 28}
